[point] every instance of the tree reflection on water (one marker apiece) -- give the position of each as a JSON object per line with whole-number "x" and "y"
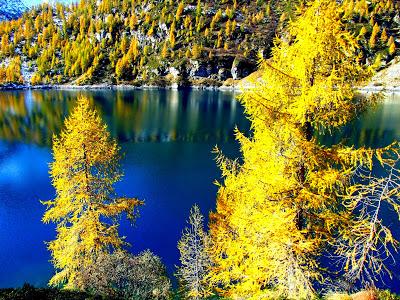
{"x": 33, "y": 116}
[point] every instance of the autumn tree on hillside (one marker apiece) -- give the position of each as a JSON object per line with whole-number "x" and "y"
{"x": 12, "y": 72}
{"x": 194, "y": 258}
{"x": 84, "y": 170}
{"x": 280, "y": 208}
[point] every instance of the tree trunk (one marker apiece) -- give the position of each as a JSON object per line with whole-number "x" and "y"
{"x": 300, "y": 220}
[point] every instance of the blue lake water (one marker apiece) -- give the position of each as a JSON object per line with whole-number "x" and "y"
{"x": 166, "y": 137}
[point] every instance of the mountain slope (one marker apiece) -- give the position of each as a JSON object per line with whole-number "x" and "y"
{"x": 11, "y": 9}
{"x": 184, "y": 42}
{"x": 143, "y": 41}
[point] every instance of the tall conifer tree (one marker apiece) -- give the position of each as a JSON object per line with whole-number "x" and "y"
{"x": 279, "y": 210}
{"x": 85, "y": 210}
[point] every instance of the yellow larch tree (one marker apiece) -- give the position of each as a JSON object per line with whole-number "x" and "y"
{"x": 384, "y": 36}
{"x": 12, "y": 72}
{"x": 283, "y": 203}
{"x": 179, "y": 10}
{"x": 85, "y": 210}
{"x": 164, "y": 51}
{"x": 392, "y": 46}
{"x": 374, "y": 34}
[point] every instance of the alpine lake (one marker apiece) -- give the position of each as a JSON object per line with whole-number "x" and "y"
{"x": 166, "y": 138}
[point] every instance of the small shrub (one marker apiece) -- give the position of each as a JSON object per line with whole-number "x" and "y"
{"x": 122, "y": 275}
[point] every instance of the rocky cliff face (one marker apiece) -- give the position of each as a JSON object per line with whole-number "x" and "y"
{"x": 387, "y": 78}
{"x": 11, "y": 9}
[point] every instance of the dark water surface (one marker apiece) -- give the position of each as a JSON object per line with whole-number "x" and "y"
{"x": 167, "y": 138}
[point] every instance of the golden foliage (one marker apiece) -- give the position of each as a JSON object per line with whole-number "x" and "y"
{"x": 83, "y": 172}
{"x": 164, "y": 51}
{"x": 279, "y": 209}
{"x": 12, "y": 72}
{"x": 372, "y": 40}
{"x": 196, "y": 51}
{"x": 392, "y": 46}
{"x": 179, "y": 10}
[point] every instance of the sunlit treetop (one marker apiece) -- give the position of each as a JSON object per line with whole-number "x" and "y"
{"x": 319, "y": 64}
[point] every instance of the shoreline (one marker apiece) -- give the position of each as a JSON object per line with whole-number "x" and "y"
{"x": 15, "y": 87}
{"x": 375, "y": 89}
{"x": 224, "y": 88}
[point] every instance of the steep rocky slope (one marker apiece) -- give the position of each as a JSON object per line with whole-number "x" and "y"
{"x": 387, "y": 78}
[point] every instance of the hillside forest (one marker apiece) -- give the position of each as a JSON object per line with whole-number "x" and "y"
{"x": 167, "y": 42}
